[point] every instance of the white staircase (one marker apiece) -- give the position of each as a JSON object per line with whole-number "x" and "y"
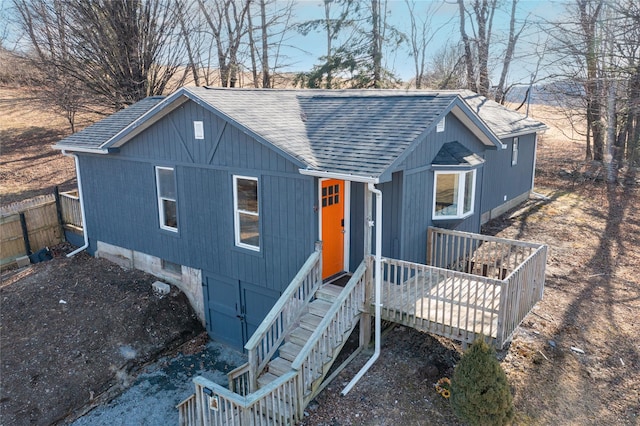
{"x": 290, "y": 355}
{"x": 296, "y": 339}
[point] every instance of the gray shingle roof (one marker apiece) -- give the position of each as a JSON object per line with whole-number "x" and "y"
{"x": 100, "y": 133}
{"x": 503, "y": 121}
{"x": 456, "y": 154}
{"x": 359, "y": 132}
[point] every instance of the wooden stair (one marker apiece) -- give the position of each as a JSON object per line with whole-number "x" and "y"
{"x": 298, "y": 337}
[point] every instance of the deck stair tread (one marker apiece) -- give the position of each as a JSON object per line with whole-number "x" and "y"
{"x": 329, "y": 292}
{"x": 319, "y": 307}
{"x": 310, "y": 321}
{"x": 299, "y": 336}
{"x": 279, "y": 366}
{"x": 290, "y": 351}
{"x": 266, "y": 378}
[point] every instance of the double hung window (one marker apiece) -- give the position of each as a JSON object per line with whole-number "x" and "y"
{"x": 246, "y": 212}
{"x": 167, "y": 198}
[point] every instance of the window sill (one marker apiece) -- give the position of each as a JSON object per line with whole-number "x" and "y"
{"x": 170, "y": 232}
{"x": 451, "y": 218}
{"x": 248, "y": 251}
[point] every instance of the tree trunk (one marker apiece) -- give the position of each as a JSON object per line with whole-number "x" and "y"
{"x": 327, "y": 17}
{"x": 252, "y": 50}
{"x": 376, "y": 52}
{"x": 266, "y": 72}
{"x": 468, "y": 58}
{"x": 508, "y": 56}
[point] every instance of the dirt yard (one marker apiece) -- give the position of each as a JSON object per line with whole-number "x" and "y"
{"x": 75, "y": 331}
{"x": 574, "y": 360}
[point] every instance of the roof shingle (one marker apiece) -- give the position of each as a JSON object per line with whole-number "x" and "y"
{"x": 359, "y": 132}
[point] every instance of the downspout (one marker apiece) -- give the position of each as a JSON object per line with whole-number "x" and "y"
{"x": 82, "y": 214}
{"x": 378, "y": 295}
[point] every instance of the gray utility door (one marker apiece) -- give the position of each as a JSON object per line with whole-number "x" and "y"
{"x": 235, "y": 309}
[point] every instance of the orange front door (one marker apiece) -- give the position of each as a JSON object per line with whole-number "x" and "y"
{"x": 332, "y": 204}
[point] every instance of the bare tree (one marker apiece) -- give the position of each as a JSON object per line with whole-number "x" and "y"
{"x": 266, "y": 38}
{"x": 227, "y": 22}
{"x": 597, "y": 53}
{"x": 482, "y": 13}
{"x": 501, "y": 89}
{"x": 421, "y": 34}
{"x": 477, "y": 46}
{"x": 578, "y": 47}
{"x": 377, "y": 37}
{"x": 43, "y": 24}
{"x": 626, "y": 52}
{"x": 447, "y": 68}
{"x": 118, "y": 51}
{"x": 189, "y": 36}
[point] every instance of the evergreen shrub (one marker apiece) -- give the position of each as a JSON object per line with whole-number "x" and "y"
{"x": 480, "y": 393}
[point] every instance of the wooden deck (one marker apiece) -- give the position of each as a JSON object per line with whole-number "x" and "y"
{"x": 480, "y": 285}
{"x": 448, "y": 303}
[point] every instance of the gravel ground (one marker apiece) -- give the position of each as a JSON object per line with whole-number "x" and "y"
{"x": 154, "y": 394}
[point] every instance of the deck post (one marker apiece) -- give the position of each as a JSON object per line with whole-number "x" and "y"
{"x": 429, "y": 243}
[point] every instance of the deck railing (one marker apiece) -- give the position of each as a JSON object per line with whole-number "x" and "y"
{"x": 188, "y": 412}
{"x": 475, "y": 253}
{"x": 239, "y": 380}
{"x": 275, "y": 404}
{"x": 476, "y": 284}
{"x": 70, "y": 207}
{"x": 265, "y": 341}
{"x": 449, "y": 303}
{"x": 331, "y": 333}
{"x": 524, "y": 287}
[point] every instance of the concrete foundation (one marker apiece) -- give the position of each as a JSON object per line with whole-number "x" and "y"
{"x": 189, "y": 281}
{"x": 503, "y": 208}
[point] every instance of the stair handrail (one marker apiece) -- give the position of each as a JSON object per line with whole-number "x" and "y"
{"x": 282, "y": 392}
{"x": 352, "y": 286}
{"x": 284, "y": 314}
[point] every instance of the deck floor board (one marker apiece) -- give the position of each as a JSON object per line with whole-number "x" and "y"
{"x": 453, "y": 303}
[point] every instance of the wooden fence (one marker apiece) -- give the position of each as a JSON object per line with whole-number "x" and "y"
{"x": 70, "y": 209}
{"x": 31, "y": 225}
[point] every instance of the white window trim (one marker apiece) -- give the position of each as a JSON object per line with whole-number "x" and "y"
{"x": 440, "y": 126}
{"x": 461, "y": 191}
{"x": 236, "y": 212}
{"x": 515, "y": 147}
{"x": 161, "y": 199}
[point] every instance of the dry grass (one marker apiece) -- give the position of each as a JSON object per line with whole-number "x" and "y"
{"x": 29, "y": 166}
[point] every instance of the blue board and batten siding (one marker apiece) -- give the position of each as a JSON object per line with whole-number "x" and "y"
{"x": 408, "y": 199}
{"x": 503, "y": 179}
{"x": 122, "y": 206}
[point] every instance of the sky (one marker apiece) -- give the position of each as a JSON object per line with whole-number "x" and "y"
{"x": 302, "y": 52}
{"x": 306, "y": 49}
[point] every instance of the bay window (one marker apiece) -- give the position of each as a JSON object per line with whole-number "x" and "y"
{"x": 454, "y": 194}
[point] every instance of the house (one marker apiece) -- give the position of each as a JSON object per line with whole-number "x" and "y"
{"x": 225, "y": 192}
